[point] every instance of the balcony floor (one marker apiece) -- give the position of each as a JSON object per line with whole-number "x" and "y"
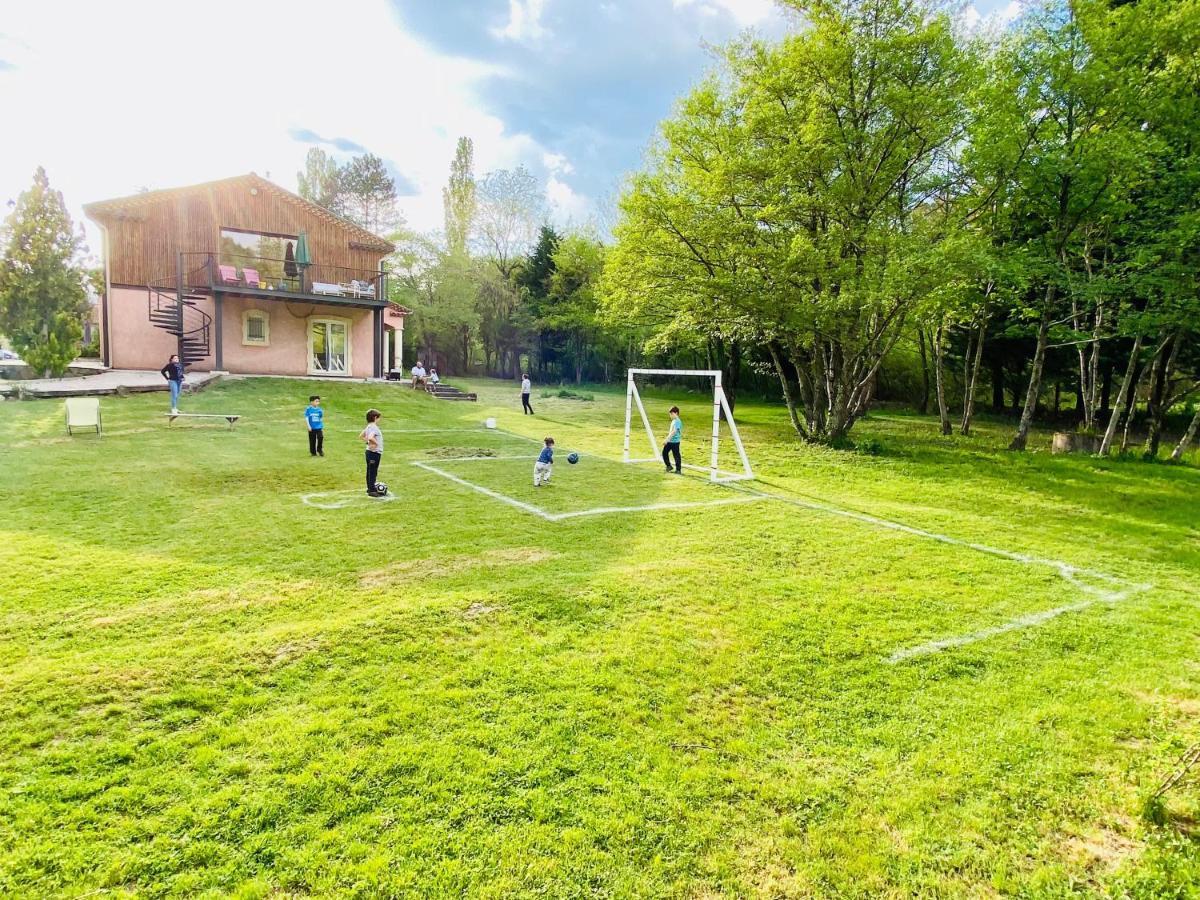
{"x": 298, "y": 296}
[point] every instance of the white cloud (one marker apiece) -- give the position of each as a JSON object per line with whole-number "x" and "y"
{"x": 744, "y": 12}
{"x": 524, "y": 21}
{"x": 568, "y": 206}
{"x": 974, "y": 21}
{"x": 557, "y": 163}
{"x": 106, "y": 125}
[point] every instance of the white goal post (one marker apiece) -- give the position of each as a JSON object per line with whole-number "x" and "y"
{"x": 720, "y": 405}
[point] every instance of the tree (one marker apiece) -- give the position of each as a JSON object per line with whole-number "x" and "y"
{"x": 572, "y": 307}
{"x": 43, "y": 300}
{"x": 794, "y": 203}
{"x": 369, "y": 194}
{"x": 511, "y": 208}
{"x": 458, "y": 198}
{"x": 320, "y": 181}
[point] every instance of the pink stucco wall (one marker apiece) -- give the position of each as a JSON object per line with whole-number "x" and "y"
{"x": 287, "y": 350}
{"x": 137, "y": 344}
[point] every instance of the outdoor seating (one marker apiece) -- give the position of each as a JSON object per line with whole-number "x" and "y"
{"x": 251, "y": 277}
{"x": 362, "y": 289}
{"x": 83, "y": 412}
{"x": 321, "y": 287}
{"x": 228, "y": 274}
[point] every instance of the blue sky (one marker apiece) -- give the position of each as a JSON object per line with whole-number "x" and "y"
{"x": 571, "y": 89}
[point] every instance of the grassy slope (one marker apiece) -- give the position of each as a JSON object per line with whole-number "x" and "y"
{"x": 207, "y": 686}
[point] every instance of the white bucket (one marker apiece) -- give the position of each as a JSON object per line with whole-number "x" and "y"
{"x": 490, "y": 423}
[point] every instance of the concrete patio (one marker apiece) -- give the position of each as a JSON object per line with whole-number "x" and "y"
{"x": 103, "y": 383}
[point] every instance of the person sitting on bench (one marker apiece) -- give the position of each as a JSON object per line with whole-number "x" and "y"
{"x": 418, "y": 375}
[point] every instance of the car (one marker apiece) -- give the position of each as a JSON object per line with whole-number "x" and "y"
{"x": 7, "y": 354}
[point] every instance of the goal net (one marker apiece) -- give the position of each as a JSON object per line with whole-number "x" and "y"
{"x": 633, "y": 399}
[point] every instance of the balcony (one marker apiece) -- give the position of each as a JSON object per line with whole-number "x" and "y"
{"x": 284, "y": 279}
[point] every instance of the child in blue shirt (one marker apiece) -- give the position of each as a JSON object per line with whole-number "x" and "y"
{"x": 671, "y": 447}
{"x": 314, "y": 416}
{"x": 544, "y": 467}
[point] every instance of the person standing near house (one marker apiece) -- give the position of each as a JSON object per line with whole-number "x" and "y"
{"x": 315, "y": 417}
{"x": 526, "y": 387}
{"x": 173, "y": 372}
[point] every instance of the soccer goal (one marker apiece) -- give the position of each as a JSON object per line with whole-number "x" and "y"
{"x": 633, "y": 398}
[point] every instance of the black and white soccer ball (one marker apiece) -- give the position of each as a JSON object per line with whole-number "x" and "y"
{"x": 381, "y": 489}
{"x": 573, "y": 458}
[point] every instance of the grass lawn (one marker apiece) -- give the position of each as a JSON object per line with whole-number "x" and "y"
{"x": 223, "y": 670}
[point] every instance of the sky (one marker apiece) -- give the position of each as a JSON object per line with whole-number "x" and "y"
{"x": 116, "y": 96}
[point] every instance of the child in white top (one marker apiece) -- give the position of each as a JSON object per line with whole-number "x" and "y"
{"x": 374, "y": 440}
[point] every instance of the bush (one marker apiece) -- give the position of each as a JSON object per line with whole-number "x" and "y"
{"x": 91, "y": 350}
{"x": 565, "y": 394}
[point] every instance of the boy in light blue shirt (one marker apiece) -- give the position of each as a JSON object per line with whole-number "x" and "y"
{"x": 314, "y": 417}
{"x": 671, "y": 447}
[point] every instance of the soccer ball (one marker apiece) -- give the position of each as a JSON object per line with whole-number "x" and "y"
{"x": 381, "y": 489}
{"x": 573, "y": 458}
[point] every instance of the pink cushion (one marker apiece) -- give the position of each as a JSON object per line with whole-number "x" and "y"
{"x": 251, "y": 276}
{"x": 228, "y": 273}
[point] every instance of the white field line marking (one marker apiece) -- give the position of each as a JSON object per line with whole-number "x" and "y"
{"x": 495, "y": 495}
{"x": 310, "y": 499}
{"x": 1116, "y": 589}
{"x": 575, "y": 514}
{"x": 605, "y": 510}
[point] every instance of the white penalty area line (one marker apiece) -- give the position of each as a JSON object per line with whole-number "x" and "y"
{"x": 579, "y": 513}
{"x": 1110, "y": 590}
{"x": 311, "y": 499}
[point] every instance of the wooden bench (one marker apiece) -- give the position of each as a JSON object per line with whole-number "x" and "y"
{"x": 228, "y": 418}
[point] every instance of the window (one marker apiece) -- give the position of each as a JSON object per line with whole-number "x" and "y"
{"x": 272, "y": 256}
{"x": 256, "y": 327}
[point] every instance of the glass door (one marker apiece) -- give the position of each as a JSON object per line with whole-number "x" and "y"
{"x": 329, "y": 356}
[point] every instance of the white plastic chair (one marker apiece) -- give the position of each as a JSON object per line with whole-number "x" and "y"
{"x": 83, "y": 412}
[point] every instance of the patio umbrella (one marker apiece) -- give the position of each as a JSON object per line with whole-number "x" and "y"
{"x": 289, "y": 261}
{"x": 302, "y": 255}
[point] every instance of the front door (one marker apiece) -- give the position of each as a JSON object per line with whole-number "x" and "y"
{"x": 329, "y": 355}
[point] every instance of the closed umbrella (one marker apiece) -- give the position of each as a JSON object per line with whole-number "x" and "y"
{"x": 289, "y": 261}
{"x": 303, "y": 260}
{"x": 302, "y": 256}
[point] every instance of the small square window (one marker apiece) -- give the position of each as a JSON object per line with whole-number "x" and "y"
{"x": 255, "y": 327}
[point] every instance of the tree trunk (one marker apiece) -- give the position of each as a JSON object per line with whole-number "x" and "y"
{"x": 1156, "y": 407}
{"x": 733, "y": 375}
{"x": 972, "y": 381}
{"x": 1021, "y": 438}
{"x": 939, "y": 342}
{"x": 1106, "y": 390}
{"x": 924, "y": 407}
{"x": 1186, "y": 440}
{"x": 1057, "y": 398}
{"x": 1119, "y": 409}
{"x": 787, "y": 392}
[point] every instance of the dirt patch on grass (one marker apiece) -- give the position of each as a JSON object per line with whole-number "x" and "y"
{"x": 1106, "y": 849}
{"x": 454, "y": 452}
{"x": 1187, "y": 706}
{"x": 479, "y": 610}
{"x": 289, "y": 651}
{"x": 440, "y": 567}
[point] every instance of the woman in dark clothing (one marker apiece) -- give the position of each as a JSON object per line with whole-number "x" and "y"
{"x": 173, "y": 372}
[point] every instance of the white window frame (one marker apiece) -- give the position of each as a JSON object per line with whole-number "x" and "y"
{"x": 247, "y": 315}
{"x": 336, "y": 320}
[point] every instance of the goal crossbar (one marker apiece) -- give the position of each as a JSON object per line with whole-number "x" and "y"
{"x": 633, "y": 399}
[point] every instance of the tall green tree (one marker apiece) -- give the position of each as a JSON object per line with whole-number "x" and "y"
{"x": 320, "y": 181}
{"x": 369, "y": 194}
{"x": 572, "y": 307}
{"x": 459, "y": 202}
{"x": 43, "y": 301}
{"x": 793, "y": 203}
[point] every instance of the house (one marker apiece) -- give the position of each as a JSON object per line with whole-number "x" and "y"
{"x": 240, "y": 275}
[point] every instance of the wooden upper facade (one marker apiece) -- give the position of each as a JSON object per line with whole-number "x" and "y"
{"x": 147, "y": 231}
